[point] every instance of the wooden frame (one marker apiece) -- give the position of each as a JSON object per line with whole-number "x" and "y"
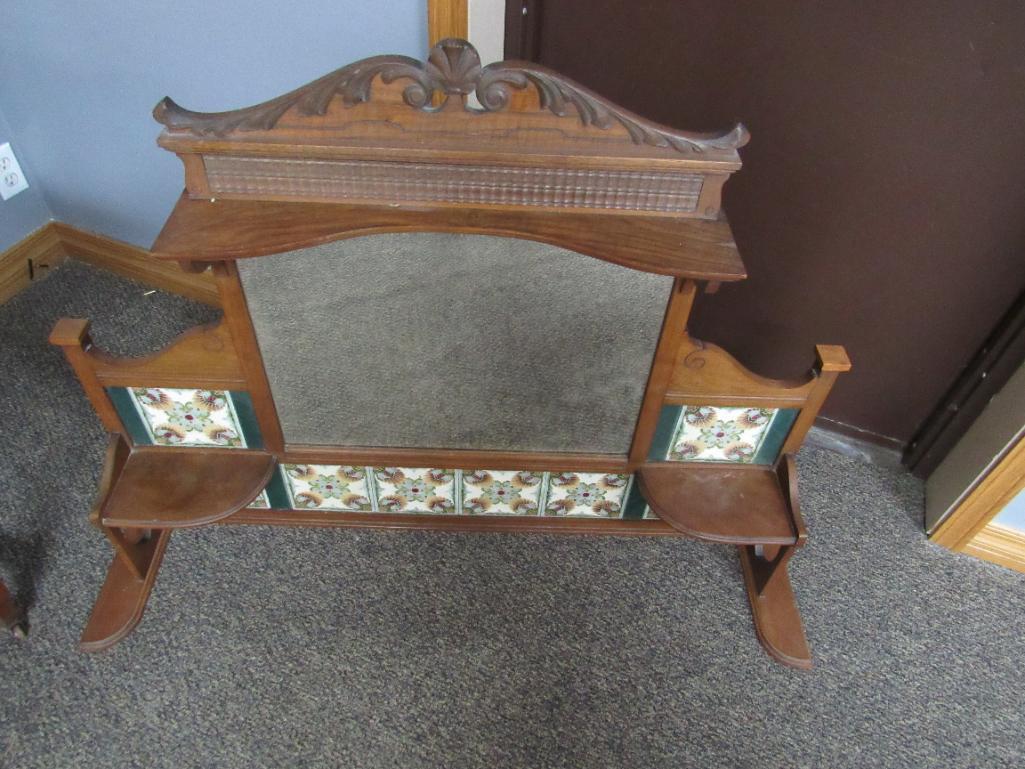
{"x": 998, "y": 544}
{"x": 138, "y": 506}
{"x": 995, "y": 490}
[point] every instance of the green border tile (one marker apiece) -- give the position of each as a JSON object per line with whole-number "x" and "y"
{"x": 124, "y": 404}
{"x": 775, "y": 435}
{"x": 634, "y": 505}
{"x": 276, "y": 493}
{"x": 662, "y": 442}
{"x": 246, "y": 418}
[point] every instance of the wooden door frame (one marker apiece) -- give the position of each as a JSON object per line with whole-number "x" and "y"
{"x": 447, "y": 18}
{"x": 992, "y": 492}
{"x": 991, "y": 367}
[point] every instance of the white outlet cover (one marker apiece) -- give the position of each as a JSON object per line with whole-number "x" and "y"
{"x": 12, "y": 180}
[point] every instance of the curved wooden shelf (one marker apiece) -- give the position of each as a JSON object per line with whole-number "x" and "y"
{"x": 204, "y": 230}
{"x": 173, "y": 487}
{"x": 717, "y": 502}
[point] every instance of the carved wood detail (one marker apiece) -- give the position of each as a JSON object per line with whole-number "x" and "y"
{"x": 391, "y": 130}
{"x": 452, "y": 68}
{"x": 705, "y": 374}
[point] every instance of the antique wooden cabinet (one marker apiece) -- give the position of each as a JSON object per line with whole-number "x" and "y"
{"x": 449, "y": 316}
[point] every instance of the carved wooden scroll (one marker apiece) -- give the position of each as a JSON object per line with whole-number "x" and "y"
{"x": 370, "y": 133}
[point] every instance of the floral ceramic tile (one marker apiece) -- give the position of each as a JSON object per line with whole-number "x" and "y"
{"x": 594, "y": 494}
{"x": 719, "y": 434}
{"x": 509, "y": 492}
{"x": 177, "y": 417}
{"x": 415, "y": 490}
{"x": 328, "y": 487}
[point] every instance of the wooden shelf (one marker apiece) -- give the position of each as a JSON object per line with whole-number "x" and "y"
{"x": 170, "y": 487}
{"x": 719, "y": 502}
{"x": 202, "y": 230}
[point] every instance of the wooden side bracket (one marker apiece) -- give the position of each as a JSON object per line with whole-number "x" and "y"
{"x": 123, "y": 597}
{"x": 773, "y": 608}
{"x": 204, "y": 356}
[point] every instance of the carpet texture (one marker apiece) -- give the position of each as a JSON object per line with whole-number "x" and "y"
{"x": 306, "y": 648}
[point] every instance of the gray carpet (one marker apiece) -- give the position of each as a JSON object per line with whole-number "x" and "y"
{"x": 304, "y": 648}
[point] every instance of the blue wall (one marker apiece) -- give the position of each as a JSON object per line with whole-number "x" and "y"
{"x": 80, "y": 79}
{"x": 26, "y": 211}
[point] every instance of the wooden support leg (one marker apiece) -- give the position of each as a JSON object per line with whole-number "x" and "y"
{"x": 777, "y": 620}
{"x": 12, "y": 617}
{"x": 123, "y": 597}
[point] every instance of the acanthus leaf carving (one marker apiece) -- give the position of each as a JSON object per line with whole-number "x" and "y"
{"x": 452, "y": 68}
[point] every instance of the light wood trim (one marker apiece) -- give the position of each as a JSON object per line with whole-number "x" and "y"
{"x": 53, "y": 243}
{"x": 136, "y": 263}
{"x": 29, "y": 259}
{"x": 990, "y": 495}
{"x": 1000, "y": 545}
{"x": 447, "y": 18}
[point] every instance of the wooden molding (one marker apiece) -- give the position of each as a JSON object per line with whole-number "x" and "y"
{"x": 136, "y": 263}
{"x": 990, "y": 495}
{"x": 447, "y": 18}
{"x": 1000, "y": 545}
{"x": 28, "y": 260}
{"x": 50, "y": 245}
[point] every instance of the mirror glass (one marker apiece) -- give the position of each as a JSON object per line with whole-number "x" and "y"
{"x": 439, "y": 340}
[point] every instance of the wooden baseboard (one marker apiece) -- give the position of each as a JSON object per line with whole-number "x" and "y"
{"x": 51, "y": 244}
{"x": 29, "y": 260}
{"x": 999, "y": 544}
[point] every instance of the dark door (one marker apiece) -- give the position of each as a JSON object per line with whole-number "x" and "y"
{"x": 881, "y": 201}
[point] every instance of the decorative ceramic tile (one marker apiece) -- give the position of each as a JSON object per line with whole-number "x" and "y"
{"x": 176, "y": 417}
{"x": 509, "y": 492}
{"x": 594, "y": 494}
{"x": 464, "y": 492}
{"x": 415, "y": 490}
{"x": 328, "y": 487}
{"x": 719, "y": 434}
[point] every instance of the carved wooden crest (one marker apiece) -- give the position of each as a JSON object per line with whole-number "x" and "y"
{"x": 394, "y": 129}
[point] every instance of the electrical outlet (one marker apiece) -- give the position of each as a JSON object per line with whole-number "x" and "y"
{"x": 12, "y": 180}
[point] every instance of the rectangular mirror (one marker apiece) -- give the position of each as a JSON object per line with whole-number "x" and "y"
{"x": 438, "y": 340}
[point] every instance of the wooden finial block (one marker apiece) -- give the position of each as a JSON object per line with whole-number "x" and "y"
{"x": 832, "y": 357}
{"x": 70, "y": 332}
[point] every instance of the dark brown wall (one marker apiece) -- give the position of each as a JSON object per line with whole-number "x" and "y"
{"x": 881, "y": 201}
